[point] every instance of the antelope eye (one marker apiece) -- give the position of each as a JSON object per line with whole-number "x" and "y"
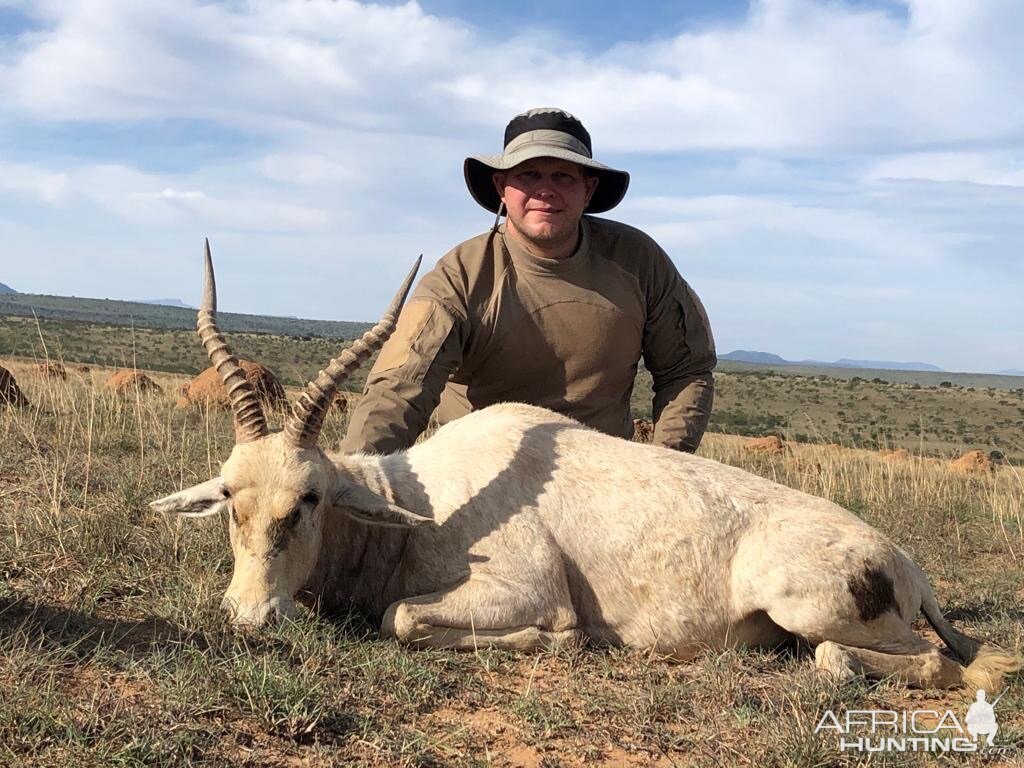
{"x": 225, "y": 493}
{"x": 311, "y": 497}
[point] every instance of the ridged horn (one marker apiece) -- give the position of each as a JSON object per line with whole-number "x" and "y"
{"x": 307, "y": 419}
{"x": 250, "y": 423}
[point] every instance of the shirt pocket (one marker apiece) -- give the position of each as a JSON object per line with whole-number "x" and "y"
{"x": 694, "y": 326}
{"x": 422, "y": 328}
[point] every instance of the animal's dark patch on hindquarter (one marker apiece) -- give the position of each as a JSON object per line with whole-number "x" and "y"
{"x": 873, "y": 592}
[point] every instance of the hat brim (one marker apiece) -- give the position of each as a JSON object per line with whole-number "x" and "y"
{"x": 478, "y": 170}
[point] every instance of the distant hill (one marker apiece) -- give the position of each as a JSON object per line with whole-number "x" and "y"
{"x": 767, "y": 358}
{"x": 882, "y": 365}
{"x": 6, "y": 289}
{"x": 1011, "y": 372}
{"x": 746, "y": 356}
{"x": 141, "y": 315}
{"x": 167, "y": 303}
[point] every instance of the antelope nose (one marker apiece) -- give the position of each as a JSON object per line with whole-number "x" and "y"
{"x": 257, "y": 614}
{"x": 237, "y": 613}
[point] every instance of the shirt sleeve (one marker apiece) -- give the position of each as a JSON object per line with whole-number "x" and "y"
{"x": 679, "y": 352}
{"x": 404, "y": 386}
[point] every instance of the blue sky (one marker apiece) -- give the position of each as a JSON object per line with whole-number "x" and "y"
{"x": 836, "y": 179}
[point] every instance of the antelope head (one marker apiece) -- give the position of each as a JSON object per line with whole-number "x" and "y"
{"x": 277, "y": 487}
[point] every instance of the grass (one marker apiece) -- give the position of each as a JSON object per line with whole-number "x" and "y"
{"x": 293, "y": 359}
{"x": 933, "y": 421}
{"x": 113, "y": 312}
{"x": 113, "y": 650}
{"x": 857, "y": 412}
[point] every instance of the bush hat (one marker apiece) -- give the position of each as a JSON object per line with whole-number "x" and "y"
{"x": 544, "y": 132}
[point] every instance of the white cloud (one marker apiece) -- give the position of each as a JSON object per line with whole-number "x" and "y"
{"x": 262, "y": 65}
{"x": 167, "y": 193}
{"x": 307, "y": 168}
{"x": 853, "y": 160}
{"x": 148, "y": 199}
{"x": 994, "y": 168}
{"x": 794, "y": 74}
{"x": 44, "y": 186}
{"x": 705, "y": 220}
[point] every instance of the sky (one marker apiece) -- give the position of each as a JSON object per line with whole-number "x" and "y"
{"x": 834, "y": 178}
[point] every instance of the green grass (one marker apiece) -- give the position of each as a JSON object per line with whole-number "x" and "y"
{"x": 113, "y": 650}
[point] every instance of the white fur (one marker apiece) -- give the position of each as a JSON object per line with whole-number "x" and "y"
{"x": 544, "y": 531}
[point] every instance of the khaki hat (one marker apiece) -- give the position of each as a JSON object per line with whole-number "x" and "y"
{"x": 544, "y": 132}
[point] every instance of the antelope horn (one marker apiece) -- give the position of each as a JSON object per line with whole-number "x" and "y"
{"x": 250, "y": 424}
{"x": 303, "y": 428}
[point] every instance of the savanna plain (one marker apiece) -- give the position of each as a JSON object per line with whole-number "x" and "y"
{"x": 113, "y": 650}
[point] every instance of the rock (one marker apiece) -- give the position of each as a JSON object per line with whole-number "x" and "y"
{"x": 10, "y": 393}
{"x": 643, "y": 431}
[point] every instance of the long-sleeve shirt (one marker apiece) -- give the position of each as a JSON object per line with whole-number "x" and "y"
{"x": 492, "y": 323}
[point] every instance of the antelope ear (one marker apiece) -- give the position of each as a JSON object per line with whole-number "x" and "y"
{"x": 201, "y": 500}
{"x": 365, "y": 506}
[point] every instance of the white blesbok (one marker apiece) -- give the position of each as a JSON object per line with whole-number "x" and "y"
{"x": 515, "y": 527}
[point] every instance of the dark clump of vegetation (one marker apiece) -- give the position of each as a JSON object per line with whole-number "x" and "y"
{"x": 735, "y": 421}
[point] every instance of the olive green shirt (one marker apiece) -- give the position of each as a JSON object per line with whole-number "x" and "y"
{"x": 492, "y": 323}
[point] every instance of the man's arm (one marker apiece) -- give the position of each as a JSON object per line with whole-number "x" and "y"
{"x": 405, "y": 384}
{"x": 679, "y": 351}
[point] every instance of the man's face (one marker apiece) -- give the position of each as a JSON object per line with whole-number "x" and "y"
{"x": 545, "y": 198}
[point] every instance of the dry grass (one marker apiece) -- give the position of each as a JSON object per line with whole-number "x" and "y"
{"x": 112, "y": 650}
{"x": 902, "y": 409}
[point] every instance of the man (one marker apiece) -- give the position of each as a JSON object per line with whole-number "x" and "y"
{"x": 553, "y": 308}
{"x": 981, "y": 719}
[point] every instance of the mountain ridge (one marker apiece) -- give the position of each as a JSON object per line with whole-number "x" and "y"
{"x": 770, "y": 358}
{"x": 167, "y": 303}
